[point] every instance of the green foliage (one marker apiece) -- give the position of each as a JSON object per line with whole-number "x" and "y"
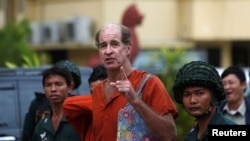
{"x": 174, "y": 59}
{"x": 36, "y": 60}
{"x": 14, "y": 47}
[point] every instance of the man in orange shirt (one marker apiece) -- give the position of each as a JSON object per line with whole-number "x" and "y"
{"x": 78, "y": 112}
{"x": 155, "y": 108}
{"x": 78, "y": 109}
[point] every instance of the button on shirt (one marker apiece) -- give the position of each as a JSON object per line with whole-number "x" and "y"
{"x": 238, "y": 116}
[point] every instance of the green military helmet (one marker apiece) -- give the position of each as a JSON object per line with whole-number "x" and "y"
{"x": 198, "y": 73}
{"x": 73, "y": 68}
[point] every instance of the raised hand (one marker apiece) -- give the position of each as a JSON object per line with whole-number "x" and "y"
{"x": 124, "y": 86}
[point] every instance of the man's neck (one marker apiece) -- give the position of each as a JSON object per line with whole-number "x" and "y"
{"x": 203, "y": 122}
{"x": 235, "y": 105}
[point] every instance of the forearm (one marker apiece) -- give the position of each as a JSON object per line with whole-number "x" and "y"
{"x": 77, "y": 105}
{"x": 78, "y": 112}
{"x": 162, "y": 126}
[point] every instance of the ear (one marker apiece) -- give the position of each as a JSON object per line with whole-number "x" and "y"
{"x": 70, "y": 87}
{"x": 129, "y": 50}
{"x": 244, "y": 85}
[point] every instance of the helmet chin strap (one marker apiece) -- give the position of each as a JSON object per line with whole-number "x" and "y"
{"x": 206, "y": 113}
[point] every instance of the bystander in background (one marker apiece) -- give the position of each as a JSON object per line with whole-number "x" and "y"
{"x": 57, "y": 85}
{"x": 98, "y": 74}
{"x": 236, "y": 106}
{"x": 40, "y": 106}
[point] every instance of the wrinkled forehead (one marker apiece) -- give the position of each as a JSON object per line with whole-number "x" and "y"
{"x": 111, "y": 29}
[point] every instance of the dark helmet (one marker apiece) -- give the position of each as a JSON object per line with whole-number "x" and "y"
{"x": 73, "y": 68}
{"x": 198, "y": 73}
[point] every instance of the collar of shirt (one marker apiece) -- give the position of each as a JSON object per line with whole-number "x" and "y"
{"x": 241, "y": 110}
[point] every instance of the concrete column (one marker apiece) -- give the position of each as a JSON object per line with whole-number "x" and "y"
{"x": 226, "y": 54}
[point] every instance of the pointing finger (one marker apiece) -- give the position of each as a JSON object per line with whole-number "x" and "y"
{"x": 124, "y": 76}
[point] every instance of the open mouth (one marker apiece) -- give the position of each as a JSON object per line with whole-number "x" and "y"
{"x": 109, "y": 60}
{"x": 228, "y": 93}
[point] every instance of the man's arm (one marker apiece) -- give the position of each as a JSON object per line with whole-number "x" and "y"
{"x": 78, "y": 112}
{"x": 156, "y": 106}
{"x": 163, "y": 126}
{"x": 29, "y": 122}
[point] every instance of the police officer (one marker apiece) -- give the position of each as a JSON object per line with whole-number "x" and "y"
{"x": 57, "y": 84}
{"x": 198, "y": 87}
{"x": 40, "y": 107}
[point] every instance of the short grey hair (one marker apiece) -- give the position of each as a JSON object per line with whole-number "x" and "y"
{"x": 125, "y": 32}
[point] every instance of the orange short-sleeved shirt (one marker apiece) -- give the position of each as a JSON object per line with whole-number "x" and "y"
{"x": 105, "y": 113}
{"x": 78, "y": 112}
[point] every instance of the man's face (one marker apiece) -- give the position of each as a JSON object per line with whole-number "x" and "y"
{"x": 234, "y": 89}
{"x": 56, "y": 89}
{"x": 112, "y": 51}
{"x": 196, "y": 100}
